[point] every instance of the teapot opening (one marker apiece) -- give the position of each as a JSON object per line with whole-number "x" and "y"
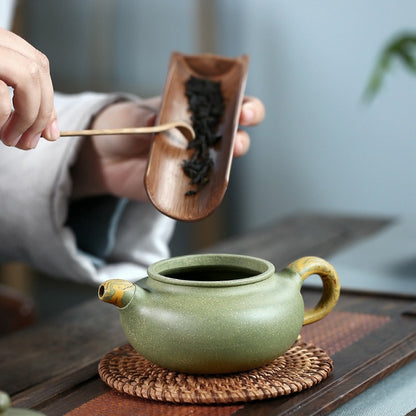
{"x": 211, "y": 270}
{"x": 210, "y": 273}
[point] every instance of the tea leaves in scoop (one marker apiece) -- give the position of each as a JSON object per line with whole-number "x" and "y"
{"x": 206, "y": 104}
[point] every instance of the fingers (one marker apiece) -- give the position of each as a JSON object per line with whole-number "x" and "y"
{"x": 241, "y": 144}
{"x": 252, "y": 111}
{"x": 5, "y": 103}
{"x": 52, "y": 131}
{"x": 26, "y": 70}
{"x": 27, "y": 95}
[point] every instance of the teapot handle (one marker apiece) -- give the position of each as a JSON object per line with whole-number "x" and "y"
{"x": 307, "y": 266}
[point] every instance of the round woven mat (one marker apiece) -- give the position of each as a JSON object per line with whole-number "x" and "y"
{"x": 301, "y": 367}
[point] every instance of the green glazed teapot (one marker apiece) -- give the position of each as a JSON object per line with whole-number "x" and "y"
{"x": 7, "y": 410}
{"x": 218, "y": 313}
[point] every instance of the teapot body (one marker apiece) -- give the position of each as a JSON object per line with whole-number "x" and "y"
{"x": 214, "y": 326}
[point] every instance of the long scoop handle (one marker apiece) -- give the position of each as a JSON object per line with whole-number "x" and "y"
{"x": 307, "y": 266}
{"x": 185, "y": 128}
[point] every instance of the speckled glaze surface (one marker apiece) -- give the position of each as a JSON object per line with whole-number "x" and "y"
{"x": 229, "y": 324}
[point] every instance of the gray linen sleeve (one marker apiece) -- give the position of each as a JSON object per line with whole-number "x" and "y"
{"x": 34, "y": 191}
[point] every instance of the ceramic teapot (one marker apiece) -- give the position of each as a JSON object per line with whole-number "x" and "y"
{"x": 218, "y": 313}
{"x": 7, "y": 410}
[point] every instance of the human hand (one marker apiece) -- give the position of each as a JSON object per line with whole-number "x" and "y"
{"x": 252, "y": 113}
{"x": 26, "y": 70}
{"x": 116, "y": 164}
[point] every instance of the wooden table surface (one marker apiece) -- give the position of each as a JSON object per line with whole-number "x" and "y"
{"x": 52, "y": 367}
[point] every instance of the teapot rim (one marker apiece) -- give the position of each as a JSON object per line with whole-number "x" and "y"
{"x": 265, "y": 269}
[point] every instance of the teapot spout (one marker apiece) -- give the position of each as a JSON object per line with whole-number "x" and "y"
{"x": 118, "y": 292}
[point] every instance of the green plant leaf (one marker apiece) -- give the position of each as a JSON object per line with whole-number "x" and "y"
{"x": 401, "y": 48}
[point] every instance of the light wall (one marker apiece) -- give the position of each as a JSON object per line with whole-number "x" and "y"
{"x": 321, "y": 147}
{"x": 111, "y": 45}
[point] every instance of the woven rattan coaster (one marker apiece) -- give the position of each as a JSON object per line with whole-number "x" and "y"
{"x": 301, "y": 367}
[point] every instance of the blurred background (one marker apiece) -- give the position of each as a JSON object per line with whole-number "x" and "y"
{"x": 321, "y": 148}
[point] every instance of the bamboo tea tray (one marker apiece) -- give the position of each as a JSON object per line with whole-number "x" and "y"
{"x": 165, "y": 180}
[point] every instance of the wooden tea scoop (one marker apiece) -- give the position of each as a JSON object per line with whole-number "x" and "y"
{"x": 165, "y": 180}
{"x": 184, "y": 127}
